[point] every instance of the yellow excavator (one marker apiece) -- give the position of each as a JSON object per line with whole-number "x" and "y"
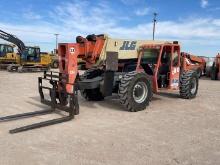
{"x": 28, "y": 58}
{"x": 7, "y": 55}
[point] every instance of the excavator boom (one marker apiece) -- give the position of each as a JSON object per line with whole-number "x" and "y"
{"x": 13, "y": 39}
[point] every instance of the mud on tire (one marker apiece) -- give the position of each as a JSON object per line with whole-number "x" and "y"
{"x": 189, "y": 83}
{"x": 135, "y": 91}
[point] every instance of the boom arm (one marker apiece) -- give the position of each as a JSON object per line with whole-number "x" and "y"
{"x": 10, "y": 38}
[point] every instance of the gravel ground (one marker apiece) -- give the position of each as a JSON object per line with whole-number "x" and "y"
{"x": 170, "y": 131}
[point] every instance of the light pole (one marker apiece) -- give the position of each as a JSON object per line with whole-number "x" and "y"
{"x": 154, "y": 24}
{"x": 56, "y": 35}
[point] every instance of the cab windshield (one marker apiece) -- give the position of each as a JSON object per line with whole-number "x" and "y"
{"x": 31, "y": 51}
{"x": 10, "y": 49}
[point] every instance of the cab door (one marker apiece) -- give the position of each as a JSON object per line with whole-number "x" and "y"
{"x": 37, "y": 57}
{"x": 175, "y": 68}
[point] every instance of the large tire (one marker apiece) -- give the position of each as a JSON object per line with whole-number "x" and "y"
{"x": 189, "y": 83}
{"x": 91, "y": 94}
{"x": 55, "y": 65}
{"x": 135, "y": 91}
{"x": 213, "y": 72}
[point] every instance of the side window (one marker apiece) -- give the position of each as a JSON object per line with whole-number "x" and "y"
{"x": 10, "y": 49}
{"x": 175, "y": 58}
{"x": 1, "y": 48}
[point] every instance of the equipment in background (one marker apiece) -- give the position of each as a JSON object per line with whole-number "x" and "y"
{"x": 208, "y": 64}
{"x": 28, "y": 58}
{"x": 131, "y": 69}
{"x": 215, "y": 70}
{"x": 195, "y": 63}
{"x": 7, "y": 55}
{"x": 54, "y": 61}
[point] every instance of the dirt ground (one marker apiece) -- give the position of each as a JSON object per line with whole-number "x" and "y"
{"x": 170, "y": 131}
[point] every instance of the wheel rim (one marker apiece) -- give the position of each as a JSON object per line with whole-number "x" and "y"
{"x": 55, "y": 65}
{"x": 193, "y": 85}
{"x": 140, "y": 92}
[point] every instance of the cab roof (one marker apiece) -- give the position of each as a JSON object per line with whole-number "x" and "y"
{"x": 153, "y": 44}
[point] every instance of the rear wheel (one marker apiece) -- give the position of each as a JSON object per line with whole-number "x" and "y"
{"x": 135, "y": 91}
{"x": 189, "y": 83}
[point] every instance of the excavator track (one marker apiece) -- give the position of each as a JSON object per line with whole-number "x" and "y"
{"x": 22, "y": 69}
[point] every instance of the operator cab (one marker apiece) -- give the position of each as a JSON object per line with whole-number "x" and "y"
{"x": 4, "y": 49}
{"x": 31, "y": 54}
{"x": 162, "y": 62}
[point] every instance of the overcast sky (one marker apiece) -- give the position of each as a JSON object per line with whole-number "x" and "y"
{"x": 195, "y": 23}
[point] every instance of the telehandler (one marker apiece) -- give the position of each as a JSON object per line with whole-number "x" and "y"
{"x": 215, "y": 70}
{"x": 132, "y": 69}
{"x": 28, "y": 58}
{"x": 195, "y": 63}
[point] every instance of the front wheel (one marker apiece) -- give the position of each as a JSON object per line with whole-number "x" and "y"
{"x": 55, "y": 64}
{"x": 135, "y": 91}
{"x": 189, "y": 83}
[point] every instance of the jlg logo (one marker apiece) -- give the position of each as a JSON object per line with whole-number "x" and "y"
{"x": 127, "y": 45}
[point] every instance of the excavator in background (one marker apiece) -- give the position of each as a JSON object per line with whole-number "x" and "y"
{"x": 215, "y": 70}
{"x": 55, "y": 61}
{"x": 195, "y": 63}
{"x": 28, "y": 58}
{"x": 7, "y": 55}
{"x": 132, "y": 69}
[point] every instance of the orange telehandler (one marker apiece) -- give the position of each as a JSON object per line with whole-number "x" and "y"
{"x": 132, "y": 69}
{"x": 195, "y": 63}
